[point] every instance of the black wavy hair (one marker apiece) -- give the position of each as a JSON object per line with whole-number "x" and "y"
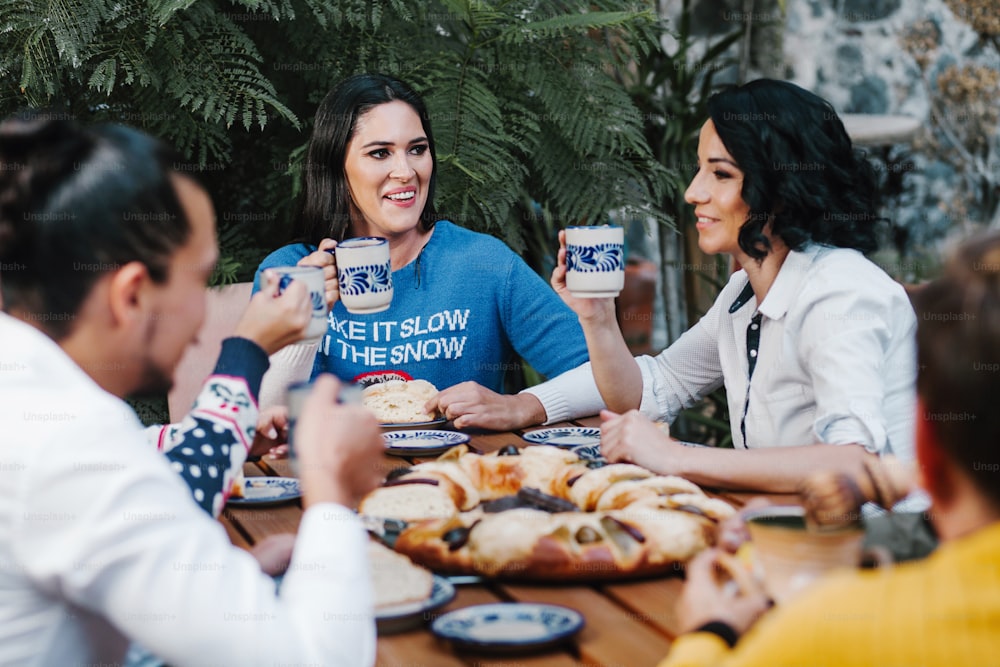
{"x": 800, "y": 170}
{"x": 326, "y": 200}
{"x": 75, "y": 203}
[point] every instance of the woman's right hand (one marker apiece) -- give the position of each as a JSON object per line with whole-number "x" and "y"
{"x": 274, "y": 320}
{"x": 597, "y": 311}
{"x": 325, "y": 259}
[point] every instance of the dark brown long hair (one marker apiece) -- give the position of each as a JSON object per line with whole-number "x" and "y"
{"x": 326, "y": 199}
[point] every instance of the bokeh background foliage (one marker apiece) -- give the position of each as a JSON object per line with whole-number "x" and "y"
{"x": 527, "y": 105}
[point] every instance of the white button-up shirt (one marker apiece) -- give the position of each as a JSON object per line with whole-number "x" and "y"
{"x": 836, "y": 361}
{"x": 100, "y": 541}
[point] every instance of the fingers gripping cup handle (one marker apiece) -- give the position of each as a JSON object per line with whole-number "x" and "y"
{"x": 314, "y": 281}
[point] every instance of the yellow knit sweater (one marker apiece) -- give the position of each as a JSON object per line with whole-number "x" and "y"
{"x": 943, "y": 611}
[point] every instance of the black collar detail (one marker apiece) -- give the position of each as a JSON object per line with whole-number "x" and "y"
{"x": 742, "y": 299}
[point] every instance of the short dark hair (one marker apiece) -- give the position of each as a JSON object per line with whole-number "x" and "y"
{"x": 958, "y": 352}
{"x": 326, "y": 199}
{"x": 75, "y": 203}
{"x": 799, "y": 168}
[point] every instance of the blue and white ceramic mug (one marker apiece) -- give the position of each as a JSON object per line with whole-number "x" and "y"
{"x": 364, "y": 274}
{"x": 595, "y": 261}
{"x": 312, "y": 277}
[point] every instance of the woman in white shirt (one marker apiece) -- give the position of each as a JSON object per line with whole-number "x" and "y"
{"x": 813, "y": 342}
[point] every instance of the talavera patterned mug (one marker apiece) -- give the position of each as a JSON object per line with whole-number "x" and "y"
{"x": 312, "y": 277}
{"x": 364, "y": 274}
{"x": 595, "y": 261}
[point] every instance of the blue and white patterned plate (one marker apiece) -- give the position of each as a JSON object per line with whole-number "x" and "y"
{"x": 434, "y": 423}
{"x": 267, "y": 491}
{"x": 422, "y": 443}
{"x": 569, "y": 436}
{"x": 589, "y": 453}
{"x": 390, "y": 620}
{"x": 508, "y": 626}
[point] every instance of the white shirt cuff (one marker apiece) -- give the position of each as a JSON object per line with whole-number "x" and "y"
{"x": 570, "y": 395}
{"x": 292, "y": 363}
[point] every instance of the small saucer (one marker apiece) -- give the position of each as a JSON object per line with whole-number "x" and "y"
{"x": 259, "y": 491}
{"x": 569, "y": 436}
{"x": 589, "y": 453}
{"x": 508, "y": 627}
{"x": 422, "y": 443}
{"x": 409, "y": 426}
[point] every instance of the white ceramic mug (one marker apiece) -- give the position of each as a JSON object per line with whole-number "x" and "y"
{"x": 312, "y": 277}
{"x": 295, "y": 398}
{"x": 364, "y": 274}
{"x": 595, "y": 261}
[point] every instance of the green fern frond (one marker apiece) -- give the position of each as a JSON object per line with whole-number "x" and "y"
{"x": 560, "y": 25}
{"x": 163, "y": 10}
{"x": 279, "y": 10}
{"x": 220, "y": 78}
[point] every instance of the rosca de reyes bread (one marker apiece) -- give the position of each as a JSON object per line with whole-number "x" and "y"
{"x": 399, "y": 401}
{"x": 540, "y": 513}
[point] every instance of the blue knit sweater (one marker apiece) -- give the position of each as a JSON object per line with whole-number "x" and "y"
{"x": 460, "y": 311}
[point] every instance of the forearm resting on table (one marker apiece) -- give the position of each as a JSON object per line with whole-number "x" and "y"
{"x": 774, "y": 470}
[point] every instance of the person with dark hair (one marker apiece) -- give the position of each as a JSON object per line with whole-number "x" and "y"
{"x": 943, "y": 610}
{"x": 812, "y": 341}
{"x": 213, "y": 440}
{"x": 106, "y": 247}
{"x": 463, "y": 302}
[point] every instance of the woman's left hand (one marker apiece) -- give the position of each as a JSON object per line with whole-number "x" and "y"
{"x": 326, "y": 260}
{"x": 471, "y": 405}
{"x": 633, "y": 438}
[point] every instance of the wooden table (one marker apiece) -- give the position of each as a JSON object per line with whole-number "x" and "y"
{"x": 627, "y": 624}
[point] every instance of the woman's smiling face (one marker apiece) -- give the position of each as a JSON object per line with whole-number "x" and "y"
{"x": 716, "y": 192}
{"x": 388, "y": 166}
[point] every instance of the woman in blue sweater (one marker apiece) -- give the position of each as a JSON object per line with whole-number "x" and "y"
{"x": 464, "y": 304}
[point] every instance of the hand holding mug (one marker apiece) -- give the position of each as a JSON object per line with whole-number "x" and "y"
{"x": 325, "y": 259}
{"x": 588, "y": 309}
{"x": 275, "y": 318}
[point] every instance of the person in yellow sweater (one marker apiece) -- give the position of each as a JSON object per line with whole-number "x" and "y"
{"x": 944, "y": 610}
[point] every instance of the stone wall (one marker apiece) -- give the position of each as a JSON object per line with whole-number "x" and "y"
{"x": 916, "y": 58}
{"x": 920, "y": 58}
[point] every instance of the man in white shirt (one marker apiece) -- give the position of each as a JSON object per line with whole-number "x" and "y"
{"x": 105, "y": 250}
